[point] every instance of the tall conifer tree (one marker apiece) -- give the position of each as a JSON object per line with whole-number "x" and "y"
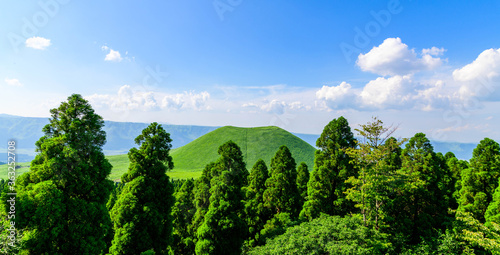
{"x": 142, "y": 215}
{"x": 302, "y": 180}
{"x": 256, "y": 214}
{"x": 62, "y": 199}
{"x": 282, "y": 195}
{"x": 183, "y": 213}
{"x": 326, "y": 187}
{"x": 223, "y": 230}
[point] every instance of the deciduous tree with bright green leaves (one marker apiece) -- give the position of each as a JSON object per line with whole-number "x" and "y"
{"x": 223, "y": 229}
{"x": 61, "y": 201}
{"x": 326, "y": 187}
{"x": 374, "y": 187}
{"x": 480, "y": 180}
{"x": 142, "y": 215}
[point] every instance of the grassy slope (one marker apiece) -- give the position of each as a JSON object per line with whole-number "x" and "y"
{"x": 255, "y": 143}
{"x": 189, "y": 160}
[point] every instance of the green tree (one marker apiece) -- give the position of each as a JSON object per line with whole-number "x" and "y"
{"x": 142, "y": 215}
{"x": 422, "y": 203}
{"x": 61, "y": 201}
{"x": 223, "y": 230}
{"x": 456, "y": 167}
{"x": 282, "y": 195}
{"x": 476, "y": 236}
{"x": 115, "y": 193}
{"x": 480, "y": 180}
{"x": 256, "y": 214}
{"x": 326, "y": 187}
{"x": 302, "y": 180}
{"x": 326, "y": 235}
{"x": 183, "y": 213}
{"x": 373, "y": 188}
{"x": 201, "y": 193}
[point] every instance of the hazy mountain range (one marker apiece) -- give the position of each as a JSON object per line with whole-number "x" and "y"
{"x": 120, "y": 136}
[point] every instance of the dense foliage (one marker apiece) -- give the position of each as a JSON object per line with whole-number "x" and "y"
{"x": 326, "y": 235}
{"x": 371, "y": 195}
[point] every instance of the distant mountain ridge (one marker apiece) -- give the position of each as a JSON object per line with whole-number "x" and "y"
{"x": 120, "y": 136}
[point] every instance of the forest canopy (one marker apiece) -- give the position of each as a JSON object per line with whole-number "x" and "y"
{"x": 368, "y": 192}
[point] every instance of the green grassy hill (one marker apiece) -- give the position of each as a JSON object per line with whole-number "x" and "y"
{"x": 189, "y": 160}
{"x": 255, "y": 143}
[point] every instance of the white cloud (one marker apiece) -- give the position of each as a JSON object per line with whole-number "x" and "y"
{"x": 387, "y": 92}
{"x": 434, "y": 51}
{"x": 337, "y": 96}
{"x": 434, "y": 97}
{"x": 13, "y": 82}
{"x": 186, "y": 101}
{"x": 250, "y": 105}
{"x": 487, "y": 64}
{"x": 38, "y": 43}
{"x": 393, "y": 57}
{"x": 128, "y": 99}
{"x": 297, "y": 105}
{"x": 173, "y": 101}
{"x": 481, "y": 78}
{"x": 275, "y": 106}
{"x": 125, "y": 100}
{"x": 199, "y": 100}
{"x": 395, "y": 92}
{"x": 113, "y": 55}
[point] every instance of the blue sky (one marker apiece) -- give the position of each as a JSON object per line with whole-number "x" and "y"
{"x": 427, "y": 66}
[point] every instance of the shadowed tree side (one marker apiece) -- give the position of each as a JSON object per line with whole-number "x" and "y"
{"x": 302, "y": 179}
{"x": 183, "y": 213}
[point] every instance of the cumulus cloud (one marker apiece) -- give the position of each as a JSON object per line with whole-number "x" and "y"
{"x": 199, "y": 100}
{"x": 173, "y": 101}
{"x": 13, "y": 82}
{"x": 393, "y": 57}
{"x": 113, "y": 55}
{"x": 434, "y": 96}
{"x": 337, "y": 96}
{"x": 186, "y": 100}
{"x": 387, "y": 92}
{"x": 481, "y": 78}
{"x": 395, "y": 92}
{"x": 297, "y": 105}
{"x": 275, "y": 106}
{"x": 400, "y": 88}
{"x": 38, "y": 43}
{"x": 126, "y": 99}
